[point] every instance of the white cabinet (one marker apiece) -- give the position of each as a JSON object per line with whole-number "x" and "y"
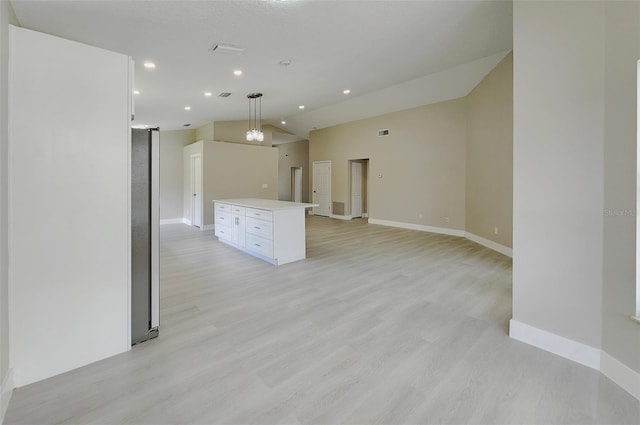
{"x": 238, "y": 225}
{"x": 230, "y": 223}
{"x": 273, "y": 231}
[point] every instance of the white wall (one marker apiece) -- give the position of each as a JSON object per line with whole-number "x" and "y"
{"x": 172, "y": 144}
{"x": 69, "y": 204}
{"x": 558, "y": 168}
{"x": 620, "y": 336}
{"x": 6, "y": 17}
{"x": 574, "y": 179}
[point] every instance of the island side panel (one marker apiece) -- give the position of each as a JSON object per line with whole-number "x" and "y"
{"x": 289, "y": 235}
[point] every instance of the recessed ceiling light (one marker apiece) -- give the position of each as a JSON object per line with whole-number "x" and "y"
{"x": 347, "y": 91}
{"x": 136, "y": 92}
{"x": 208, "y": 93}
{"x": 285, "y": 62}
{"x": 149, "y": 65}
{"x": 187, "y": 108}
{"x": 301, "y": 107}
{"x": 237, "y": 72}
{"x": 283, "y": 122}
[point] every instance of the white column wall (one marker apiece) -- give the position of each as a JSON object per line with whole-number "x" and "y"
{"x": 558, "y": 169}
{"x": 68, "y": 204}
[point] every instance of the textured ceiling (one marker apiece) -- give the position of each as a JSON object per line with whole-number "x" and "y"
{"x": 391, "y": 54}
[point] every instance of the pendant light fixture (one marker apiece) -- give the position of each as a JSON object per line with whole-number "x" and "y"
{"x": 255, "y": 133}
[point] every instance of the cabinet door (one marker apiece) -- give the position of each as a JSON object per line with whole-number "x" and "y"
{"x": 238, "y": 229}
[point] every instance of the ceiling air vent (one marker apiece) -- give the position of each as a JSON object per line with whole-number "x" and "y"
{"x": 383, "y": 133}
{"x": 224, "y": 94}
{"x": 227, "y": 49}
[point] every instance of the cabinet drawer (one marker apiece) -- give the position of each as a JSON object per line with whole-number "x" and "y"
{"x": 237, "y": 210}
{"x": 222, "y": 207}
{"x": 223, "y": 218}
{"x": 260, "y": 227}
{"x": 259, "y": 245}
{"x": 223, "y": 232}
{"x": 261, "y": 214}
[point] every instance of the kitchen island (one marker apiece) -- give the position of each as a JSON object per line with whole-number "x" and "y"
{"x": 273, "y": 231}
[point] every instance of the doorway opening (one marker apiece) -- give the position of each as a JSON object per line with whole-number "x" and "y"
{"x": 359, "y": 186}
{"x": 196, "y": 190}
{"x": 296, "y": 184}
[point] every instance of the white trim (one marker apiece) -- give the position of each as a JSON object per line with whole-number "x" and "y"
{"x": 186, "y": 221}
{"x": 621, "y": 374}
{"x": 341, "y": 217}
{"x": 207, "y": 227}
{"x": 5, "y": 393}
{"x": 556, "y": 344}
{"x": 635, "y": 319}
{"x": 504, "y": 250}
{"x": 423, "y": 228}
{"x": 173, "y": 221}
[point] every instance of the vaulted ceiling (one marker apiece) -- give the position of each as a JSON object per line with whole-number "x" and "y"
{"x": 391, "y": 55}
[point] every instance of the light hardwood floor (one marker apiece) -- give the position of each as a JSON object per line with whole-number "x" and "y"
{"x": 377, "y": 326}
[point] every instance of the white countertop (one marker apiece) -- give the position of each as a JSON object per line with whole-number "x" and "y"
{"x": 265, "y": 204}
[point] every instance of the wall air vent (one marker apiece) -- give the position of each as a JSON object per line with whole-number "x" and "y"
{"x": 226, "y": 49}
{"x": 383, "y": 133}
{"x": 224, "y": 94}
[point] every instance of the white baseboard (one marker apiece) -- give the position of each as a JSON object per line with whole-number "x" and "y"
{"x": 581, "y": 353}
{"x": 621, "y": 374}
{"x": 365, "y": 215}
{"x": 173, "y": 221}
{"x": 556, "y": 344}
{"x": 5, "y": 394}
{"x": 423, "y": 228}
{"x": 186, "y": 221}
{"x": 341, "y": 217}
{"x": 504, "y": 250}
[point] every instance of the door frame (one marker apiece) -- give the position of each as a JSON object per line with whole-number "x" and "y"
{"x": 313, "y": 181}
{"x": 192, "y": 173}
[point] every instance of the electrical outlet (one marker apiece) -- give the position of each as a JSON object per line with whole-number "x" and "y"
{"x": 495, "y": 230}
{"x": 264, "y": 185}
{"x": 446, "y": 219}
{"x": 420, "y": 216}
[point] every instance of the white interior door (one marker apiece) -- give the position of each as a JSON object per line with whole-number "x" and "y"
{"x": 356, "y": 189}
{"x": 296, "y": 184}
{"x": 322, "y": 187}
{"x": 196, "y": 190}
